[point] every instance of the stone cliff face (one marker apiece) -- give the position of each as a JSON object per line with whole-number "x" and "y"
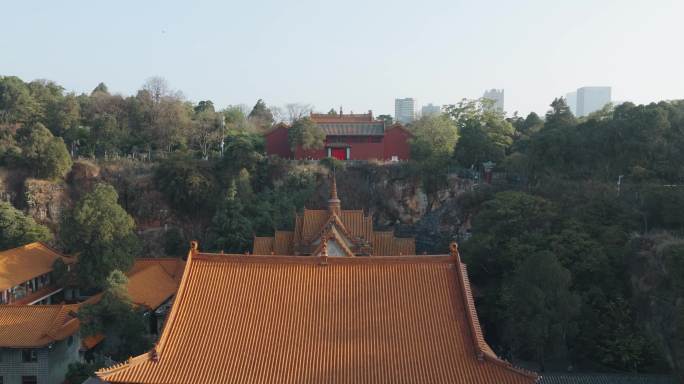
{"x": 45, "y": 201}
{"x": 398, "y": 202}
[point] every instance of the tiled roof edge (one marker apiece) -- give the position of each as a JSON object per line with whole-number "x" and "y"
{"x": 483, "y": 352}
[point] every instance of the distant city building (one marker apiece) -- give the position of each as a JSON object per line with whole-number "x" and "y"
{"x": 405, "y": 110}
{"x": 571, "y": 100}
{"x": 430, "y": 110}
{"x": 496, "y": 95}
{"x": 592, "y": 99}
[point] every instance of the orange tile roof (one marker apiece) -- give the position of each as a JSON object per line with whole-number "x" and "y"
{"x": 91, "y": 341}
{"x": 353, "y": 224}
{"x": 151, "y": 281}
{"x": 151, "y": 287}
{"x": 23, "y": 263}
{"x": 172, "y": 265}
{"x": 290, "y": 319}
{"x": 262, "y": 245}
{"x": 34, "y": 326}
{"x": 385, "y": 244}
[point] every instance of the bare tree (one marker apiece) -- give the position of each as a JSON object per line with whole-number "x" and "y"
{"x": 206, "y": 131}
{"x": 296, "y": 111}
{"x": 159, "y": 89}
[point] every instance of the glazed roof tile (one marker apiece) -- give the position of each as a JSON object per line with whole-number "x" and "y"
{"x": 34, "y": 326}
{"x": 151, "y": 287}
{"x": 353, "y": 129}
{"x": 24, "y": 263}
{"x": 290, "y": 319}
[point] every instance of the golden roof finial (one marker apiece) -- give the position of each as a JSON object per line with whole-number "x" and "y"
{"x": 334, "y": 205}
{"x": 453, "y": 250}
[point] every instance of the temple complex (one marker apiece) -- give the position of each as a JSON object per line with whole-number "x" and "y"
{"x": 307, "y": 308}
{"x": 346, "y": 232}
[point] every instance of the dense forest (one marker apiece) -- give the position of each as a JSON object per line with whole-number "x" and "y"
{"x": 574, "y": 247}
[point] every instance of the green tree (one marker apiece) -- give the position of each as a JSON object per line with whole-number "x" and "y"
{"x": 485, "y": 133}
{"x": 506, "y": 230}
{"x": 115, "y": 317}
{"x": 102, "y": 234}
{"x": 388, "y": 119}
{"x": 46, "y": 155}
{"x": 261, "y": 115}
{"x": 305, "y": 133}
{"x": 188, "y": 185}
{"x": 102, "y": 88}
{"x": 16, "y": 103}
{"x": 105, "y": 134}
{"x": 17, "y": 229}
{"x": 236, "y": 119}
{"x": 231, "y": 230}
{"x": 540, "y": 310}
{"x": 434, "y": 136}
{"x": 431, "y": 148}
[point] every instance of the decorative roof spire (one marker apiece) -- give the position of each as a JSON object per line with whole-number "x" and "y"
{"x": 453, "y": 251}
{"x": 334, "y": 204}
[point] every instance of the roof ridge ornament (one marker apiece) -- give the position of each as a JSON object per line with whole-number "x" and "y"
{"x": 334, "y": 204}
{"x": 453, "y": 250}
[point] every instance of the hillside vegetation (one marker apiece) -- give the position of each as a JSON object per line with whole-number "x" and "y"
{"x": 574, "y": 248}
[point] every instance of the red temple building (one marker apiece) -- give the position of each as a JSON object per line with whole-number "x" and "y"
{"x": 347, "y": 137}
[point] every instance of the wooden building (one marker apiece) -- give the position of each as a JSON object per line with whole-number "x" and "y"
{"x": 347, "y": 137}
{"x": 26, "y": 274}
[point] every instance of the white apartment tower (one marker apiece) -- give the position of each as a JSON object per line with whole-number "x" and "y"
{"x": 496, "y": 95}
{"x": 591, "y": 99}
{"x": 430, "y": 110}
{"x": 405, "y": 110}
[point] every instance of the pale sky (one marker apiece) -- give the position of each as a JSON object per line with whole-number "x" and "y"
{"x": 358, "y": 54}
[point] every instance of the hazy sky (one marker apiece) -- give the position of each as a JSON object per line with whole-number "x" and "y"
{"x": 358, "y": 54}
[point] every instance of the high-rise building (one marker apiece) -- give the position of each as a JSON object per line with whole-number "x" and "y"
{"x": 430, "y": 110}
{"x": 405, "y": 110}
{"x": 496, "y": 95}
{"x": 591, "y": 99}
{"x": 571, "y": 100}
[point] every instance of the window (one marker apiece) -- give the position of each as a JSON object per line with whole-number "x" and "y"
{"x": 29, "y": 355}
{"x": 29, "y": 380}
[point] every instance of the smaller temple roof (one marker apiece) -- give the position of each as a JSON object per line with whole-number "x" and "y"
{"x": 151, "y": 287}
{"x": 34, "y": 326}
{"x": 21, "y": 264}
{"x": 151, "y": 281}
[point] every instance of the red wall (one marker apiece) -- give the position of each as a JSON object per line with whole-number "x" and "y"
{"x": 397, "y": 143}
{"x": 277, "y": 143}
{"x": 359, "y": 151}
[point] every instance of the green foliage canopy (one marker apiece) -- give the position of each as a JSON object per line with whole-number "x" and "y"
{"x": 102, "y": 234}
